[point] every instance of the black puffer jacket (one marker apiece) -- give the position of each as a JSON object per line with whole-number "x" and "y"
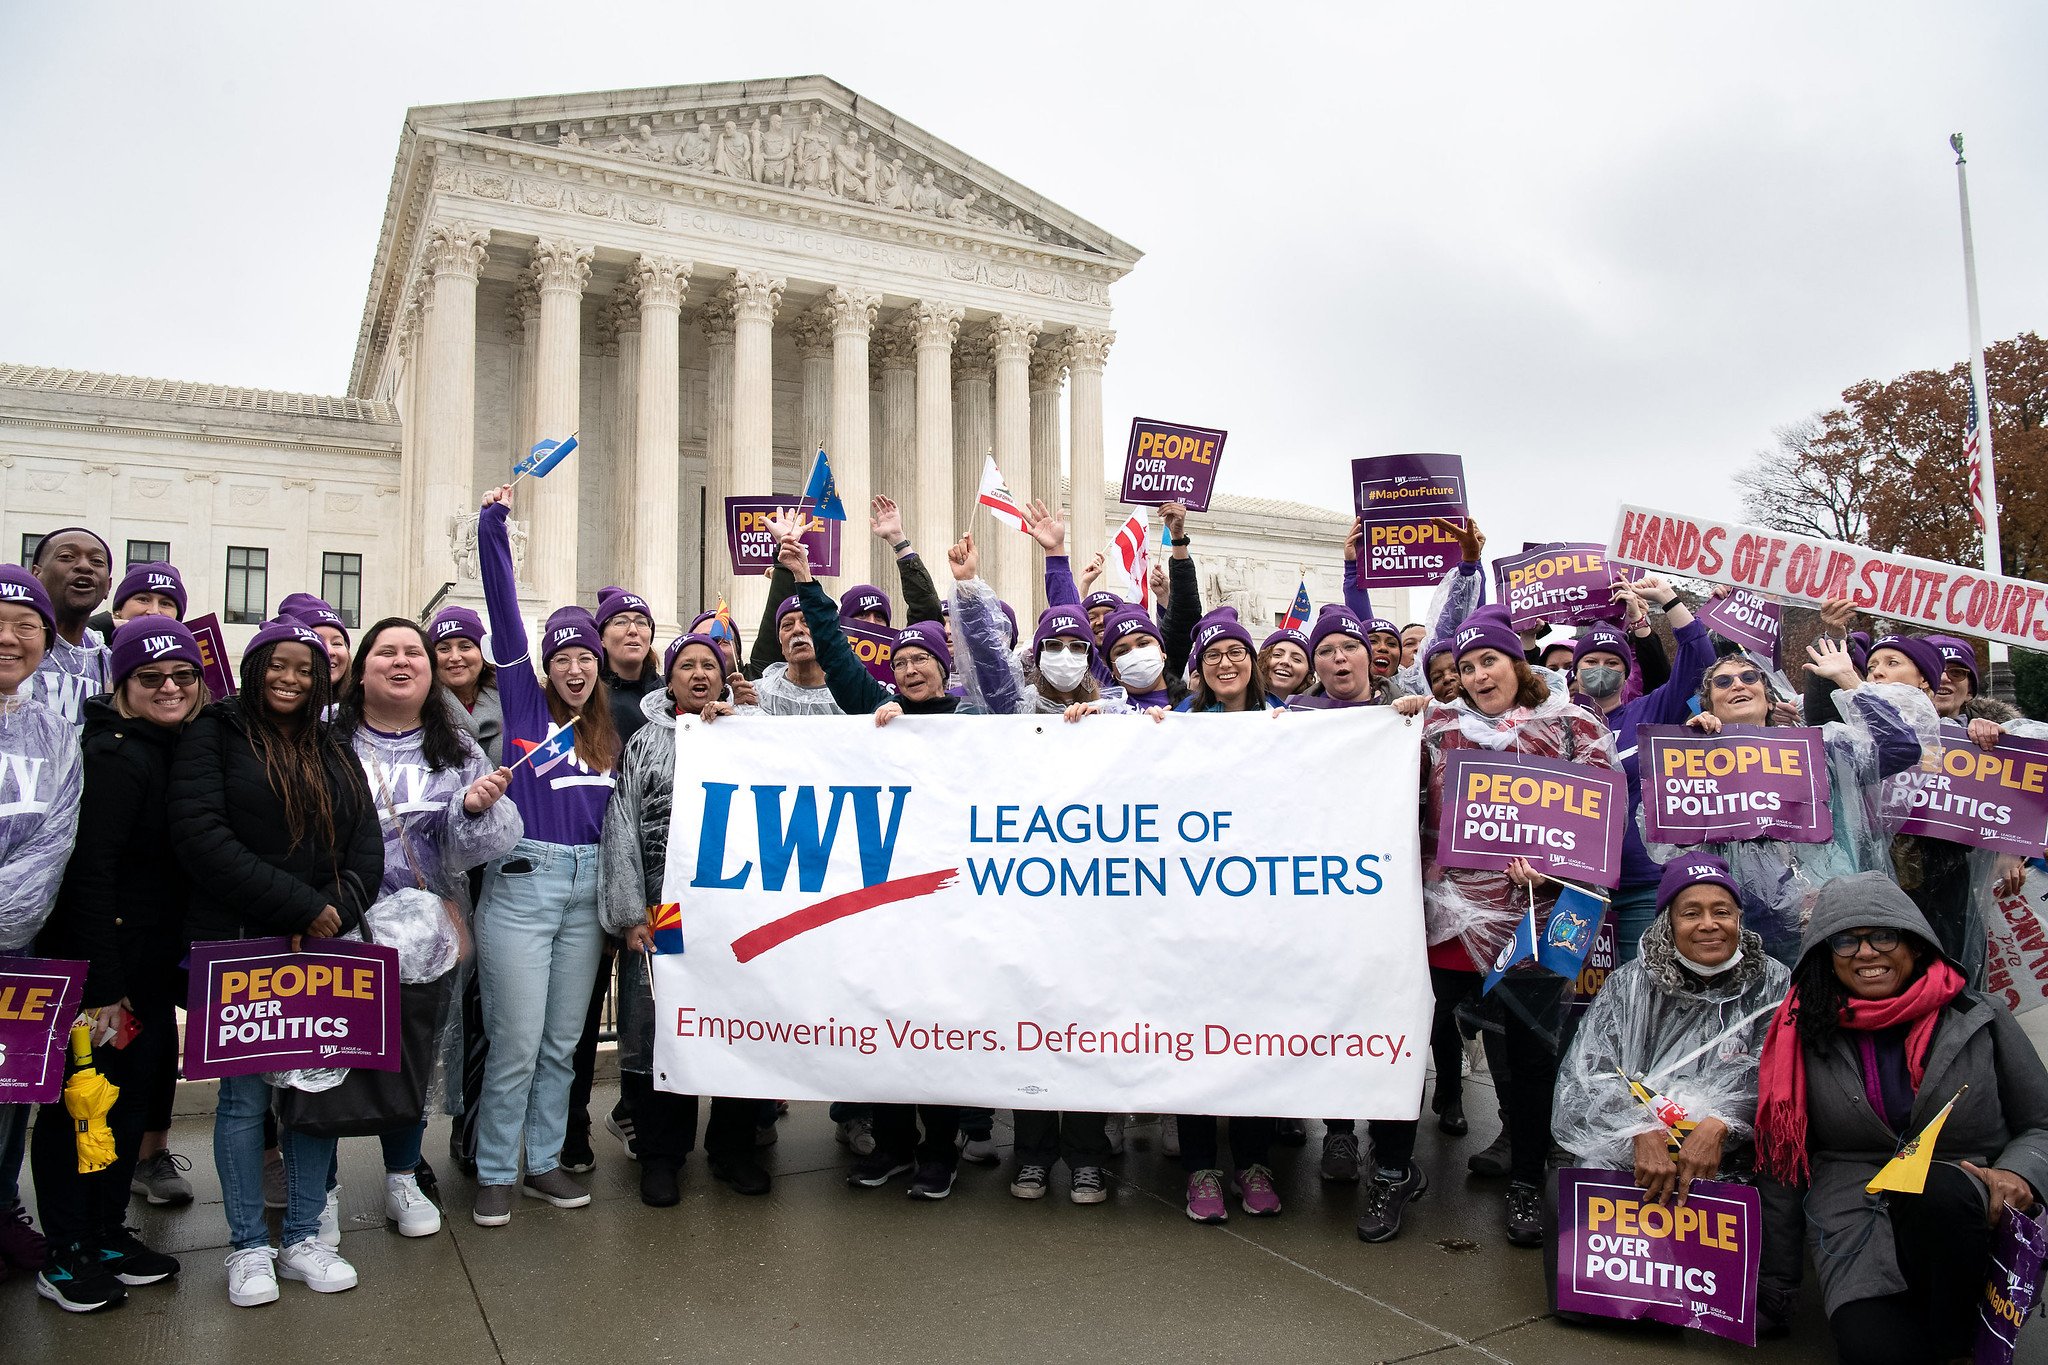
{"x": 249, "y": 879}
{"x": 122, "y": 903}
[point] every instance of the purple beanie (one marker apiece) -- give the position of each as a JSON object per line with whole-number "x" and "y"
{"x": 569, "y": 628}
{"x": 50, "y": 538}
{"x": 155, "y": 576}
{"x": 1064, "y": 621}
{"x": 1102, "y": 599}
{"x": 24, "y": 589}
{"x": 1126, "y": 621}
{"x": 151, "y": 640}
{"x": 313, "y": 611}
{"x": 617, "y": 601}
{"x": 1215, "y": 628}
{"x": 1957, "y": 654}
{"x": 1487, "y": 628}
{"x": 1380, "y": 625}
{"x": 1605, "y": 639}
{"x": 1694, "y": 869}
{"x": 1859, "y": 648}
{"x": 675, "y": 647}
{"x": 930, "y": 637}
{"x": 791, "y": 603}
{"x": 1335, "y": 619}
{"x": 864, "y": 597}
{"x": 457, "y": 623}
{"x": 1288, "y": 635}
{"x": 282, "y": 630}
{"x": 1920, "y": 650}
{"x": 707, "y": 623}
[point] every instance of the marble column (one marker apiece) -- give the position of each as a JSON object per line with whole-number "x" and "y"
{"x": 522, "y": 323}
{"x": 937, "y": 324}
{"x": 412, "y": 319}
{"x": 896, "y": 358}
{"x": 618, "y": 334}
{"x": 813, "y": 335}
{"x": 719, "y": 326}
{"x": 1011, "y": 338}
{"x": 755, "y": 295}
{"x": 973, "y": 426}
{"x": 1087, "y": 517}
{"x": 853, "y": 317}
{"x": 447, "y": 445}
{"x": 656, "y": 486}
{"x": 560, "y": 270}
{"x": 1048, "y": 370}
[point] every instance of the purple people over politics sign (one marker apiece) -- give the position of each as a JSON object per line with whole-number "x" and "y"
{"x": 1745, "y": 618}
{"x": 38, "y": 1000}
{"x": 1746, "y": 782}
{"x": 255, "y": 1005}
{"x": 1168, "y": 462}
{"x": 752, "y": 544}
{"x": 1996, "y": 800}
{"x": 1567, "y": 584}
{"x": 1693, "y": 1265}
{"x": 1565, "y": 818}
{"x": 1399, "y": 497}
{"x": 874, "y": 646}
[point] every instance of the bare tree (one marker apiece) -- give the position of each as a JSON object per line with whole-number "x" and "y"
{"x": 1812, "y": 482}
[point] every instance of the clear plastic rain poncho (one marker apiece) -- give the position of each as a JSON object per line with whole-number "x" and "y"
{"x": 997, "y": 681}
{"x": 41, "y": 779}
{"x": 1694, "y": 1040}
{"x": 1883, "y": 730}
{"x": 1456, "y": 598}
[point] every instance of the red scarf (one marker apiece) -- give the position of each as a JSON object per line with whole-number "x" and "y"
{"x": 1781, "y": 1082}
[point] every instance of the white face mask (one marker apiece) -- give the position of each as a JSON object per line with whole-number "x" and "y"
{"x": 1141, "y": 668}
{"x": 1062, "y": 670}
{"x": 1734, "y": 960}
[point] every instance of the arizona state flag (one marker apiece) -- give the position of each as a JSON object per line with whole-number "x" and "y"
{"x": 1907, "y": 1172}
{"x": 666, "y": 920}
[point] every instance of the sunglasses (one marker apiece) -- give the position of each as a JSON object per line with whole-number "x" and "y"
{"x": 1848, "y": 944}
{"x": 153, "y": 679}
{"x": 1748, "y": 677}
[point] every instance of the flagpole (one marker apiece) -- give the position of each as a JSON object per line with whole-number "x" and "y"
{"x": 1993, "y": 560}
{"x": 522, "y": 473}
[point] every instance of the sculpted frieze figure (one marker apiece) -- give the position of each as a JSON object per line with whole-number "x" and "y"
{"x": 694, "y": 150}
{"x": 814, "y": 156}
{"x": 735, "y": 153}
{"x": 569, "y": 138}
{"x": 962, "y": 210}
{"x": 645, "y": 146}
{"x": 853, "y": 169}
{"x": 774, "y": 154}
{"x": 891, "y": 190}
{"x": 926, "y": 196}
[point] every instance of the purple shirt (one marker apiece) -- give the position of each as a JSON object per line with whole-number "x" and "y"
{"x": 566, "y": 805}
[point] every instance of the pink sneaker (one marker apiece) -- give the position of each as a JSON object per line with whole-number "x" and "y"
{"x": 1205, "y": 1197}
{"x": 1255, "y": 1190}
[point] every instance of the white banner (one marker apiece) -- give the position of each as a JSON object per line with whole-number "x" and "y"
{"x": 1209, "y": 915}
{"x": 1802, "y": 570}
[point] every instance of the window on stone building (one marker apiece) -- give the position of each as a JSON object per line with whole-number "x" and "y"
{"x": 341, "y": 584}
{"x": 148, "y": 552}
{"x": 248, "y": 585}
{"x": 29, "y": 541}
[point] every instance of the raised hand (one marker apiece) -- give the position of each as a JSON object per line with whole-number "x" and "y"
{"x": 1471, "y": 540}
{"x": 962, "y": 559}
{"x": 1046, "y": 526}
{"x": 1829, "y": 659}
{"x": 795, "y": 556}
{"x": 1175, "y": 515}
{"x": 884, "y": 518}
{"x": 785, "y": 523}
{"x": 1090, "y": 571}
{"x": 502, "y": 493}
{"x": 1835, "y": 614}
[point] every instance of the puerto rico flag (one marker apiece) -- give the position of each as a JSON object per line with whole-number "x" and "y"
{"x": 997, "y": 498}
{"x": 1297, "y": 615}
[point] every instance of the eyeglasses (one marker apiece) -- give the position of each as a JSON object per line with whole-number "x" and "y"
{"x": 1233, "y": 654}
{"x": 153, "y": 679}
{"x": 1748, "y": 677}
{"x": 1849, "y": 942}
{"x": 1059, "y": 646}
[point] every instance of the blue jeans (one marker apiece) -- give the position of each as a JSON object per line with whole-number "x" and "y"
{"x": 238, "y": 1156}
{"x": 1633, "y": 908}
{"x": 13, "y": 1142}
{"x": 538, "y": 945}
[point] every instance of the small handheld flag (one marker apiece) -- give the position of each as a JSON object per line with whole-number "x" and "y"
{"x": 1569, "y": 932}
{"x": 1297, "y": 615}
{"x": 549, "y": 752}
{"x": 721, "y": 622}
{"x": 666, "y": 920}
{"x": 821, "y": 494}
{"x": 544, "y": 456}
{"x": 996, "y": 496}
{"x": 1678, "y": 1125}
{"x": 1906, "y": 1173}
{"x": 1131, "y": 553}
{"x": 1519, "y": 948}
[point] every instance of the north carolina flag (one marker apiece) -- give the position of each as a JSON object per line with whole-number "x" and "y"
{"x": 1907, "y": 1172}
{"x": 544, "y": 456}
{"x": 666, "y": 920}
{"x": 548, "y": 753}
{"x": 996, "y": 496}
{"x": 822, "y": 492}
{"x": 1297, "y": 615}
{"x": 1135, "y": 558}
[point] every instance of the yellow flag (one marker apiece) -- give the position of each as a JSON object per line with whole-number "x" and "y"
{"x": 1907, "y": 1172}
{"x": 1677, "y": 1127}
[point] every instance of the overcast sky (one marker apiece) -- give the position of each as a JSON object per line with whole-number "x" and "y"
{"x": 1600, "y": 251}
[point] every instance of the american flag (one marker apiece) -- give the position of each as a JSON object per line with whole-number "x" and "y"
{"x": 1973, "y": 450}
{"x": 1135, "y": 558}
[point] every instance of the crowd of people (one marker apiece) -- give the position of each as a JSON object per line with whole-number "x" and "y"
{"x": 1805, "y": 1006}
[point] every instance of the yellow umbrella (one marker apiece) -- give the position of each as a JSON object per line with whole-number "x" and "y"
{"x": 88, "y": 1096}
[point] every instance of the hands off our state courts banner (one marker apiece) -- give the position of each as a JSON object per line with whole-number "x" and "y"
{"x": 1806, "y": 571}
{"x": 1568, "y": 584}
{"x": 1996, "y": 800}
{"x": 1565, "y": 818}
{"x": 931, "y": 912}
{"x": 255, "y": 1005}
{"x": 1398, "y": 496}
{"x": 1168, "y": 462}
{"x": 38, "y": 1000}
{"x": 1695, "y": 1266}
{"x": 752, "y": 545}
{"x": 1747, "y": 782}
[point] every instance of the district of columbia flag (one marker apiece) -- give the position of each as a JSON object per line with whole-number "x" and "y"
{"x": 1907, "y": 1172}
{"x": 822, "y": 492}
{"x": 1973, "y": 450}
{"x": 544, "y": 456}
{"x": 996, "y": 496}
{"x": 1297, "y": 615}
{"x": 560, "y": 743}
{"x": 1134, "y": 557}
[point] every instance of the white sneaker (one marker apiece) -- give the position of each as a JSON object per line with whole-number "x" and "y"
{"x": 330, "y": 1218}
{"x": 406, "y": 1206}
{"x": 1113, "y": 1129}
{"x": 318, "y": 1264}
{"x": 252, "y": 1277}
{"x": 1169, "y": 1134}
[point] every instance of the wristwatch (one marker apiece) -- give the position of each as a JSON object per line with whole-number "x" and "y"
{"x": 1184, "y": 540}
{"x": 900, "y": 546}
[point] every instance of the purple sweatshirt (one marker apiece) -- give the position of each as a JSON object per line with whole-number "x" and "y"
{"x": 1670, "y": 704}
{"x": 41, "y": 780}
{"x": 567, "y": 805}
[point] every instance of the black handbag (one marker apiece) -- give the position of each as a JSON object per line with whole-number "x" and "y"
{"x": 368, "y": 1103}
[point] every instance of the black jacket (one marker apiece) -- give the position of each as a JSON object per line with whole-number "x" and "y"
{"x": 624, "y": 694}
{"x": 249, "y": 879}
{"x": 124, "y": 891}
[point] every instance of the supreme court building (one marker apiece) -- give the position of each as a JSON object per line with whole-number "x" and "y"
{"x": 706, "y": 284}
